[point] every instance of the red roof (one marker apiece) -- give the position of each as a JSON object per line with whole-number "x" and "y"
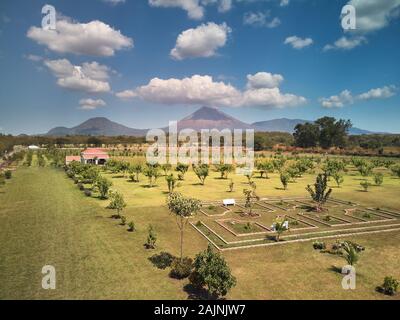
{"x": 92, "y": 153}
{"x": 72, "y": 158}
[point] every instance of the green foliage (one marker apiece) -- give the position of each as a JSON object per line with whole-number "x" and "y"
{"x": 182, "y": 169}
{"x": 131, "y": 226}
{"x": 201, "y": 171}
{"x": 117, "y": 202}
{"x": 103, "y": 185}
{"x": 162, "y": 260}
{"x": 134, "y": 172}
{"x": 378, "y": 178}
{"x": 166, "y": 168}
{"x": 280, "y": 227}
{"x": 390, "y": 285}
{"x": 395, "y": 170}
{"x": 171, "y": 182}
{"x": 350, "y": 253}
{"x": 183, "y": 208}
{"x": 365, "y": 185}
{"x": 320, "y": 193}
{"x": 181, "y": 268}
{"x": 152, "y": 173}
{"x": 8, "y": 174}
{"x": 224, "y": 169}
{"x": 306, "y": 135}
{"x": 264, "y": 168}
{"x": 249, "y": 196}
{"x": 338, "y": 177}
{"x": 151, "y": 238}
{"x": 123, "y": 220}
{"x": 212, "y": 271}
{"x": 284, "y": 177}
{"x": 319, "y": 245}
{"x": 231, "y": 185}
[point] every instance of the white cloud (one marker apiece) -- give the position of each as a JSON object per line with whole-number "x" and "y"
{"x": 345, "y": 43}
{"x": 338, "y": 101}
{"x": 202, "y": 41}
{"x": 263, "y": 80}
{"x": 90, "y": 77}
{"x": 33, "y": 57}
{"x": 298, "y": 43}
{"x": 203, "y": 90}
{"x": 94, "y": 38}
{"x": 91, "y": 104}
{"x": 126, "y": 95}
{"x": 378, "y": 93}
{"x": 284, "y": 3}
{"x": 192, "y": 7}
{"x": 346, "y": 97}
{"x": 374, "y": 15}
{"x": 114, "y": 2}
{"x": 259, "y": 19}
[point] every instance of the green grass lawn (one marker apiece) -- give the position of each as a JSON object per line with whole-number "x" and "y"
{"x": 45, "y": 219}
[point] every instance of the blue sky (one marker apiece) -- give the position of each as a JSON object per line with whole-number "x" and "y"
{"x": 117, "y": 61}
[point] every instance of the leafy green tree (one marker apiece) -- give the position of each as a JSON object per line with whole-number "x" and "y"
{"x": 320, "y": 194}
{"x": 135, "y": 170}
{"x": 183, "y": 208}
{"x": 117, "y": 202}
{"x": 152, "y": 173}
{"x": 395, "y": 170}
{"x": 390, "y": 286}
{"x": 365, "y": 185}
{"x": 224, "y": 169}
{"x": 333, "y": 133}
{"x": 249, "y": 196}
{"x": 201, "y": 171}
{"x": 306, "y": 135}
{"x": 171, "y": 182}
{"x": 284, "y": 177}
{"x": 212, "y": 271}
{"x": 166, "y": 168}
{"x": 182, "y": 169}
{"x": 264, "y": 168}
{"x": 103, "y": 185}
{"x": 338, "y": 177}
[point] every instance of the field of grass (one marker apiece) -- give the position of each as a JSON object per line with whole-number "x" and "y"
{"x": 45, "y": 219}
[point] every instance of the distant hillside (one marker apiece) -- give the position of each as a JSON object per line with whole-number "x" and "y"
{"x": 288, "y": 125}
{"x": 97, "y": 127}
{"x": 203, "y": 118}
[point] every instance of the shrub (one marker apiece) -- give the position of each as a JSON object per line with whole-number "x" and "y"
{"x": 365, "y": 185}
{"x": 181, "y": 268}
{"x": 319, "y": 245}
{"x": 390, "y": 286}
{"x": 131, "y": 226}
{"x": 8, "y": 174}
{"x": 88, "y": 193}
{"x": 162, "y": 260}
{"x": 378, "y": 179}
{"x": 123, "y": 220}
{"x": 80, "y": 186}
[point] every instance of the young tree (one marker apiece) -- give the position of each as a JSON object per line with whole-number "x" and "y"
{"x": 183, "y": 208}
{"x": 201, "y": 171}
{"x": 264, "y": 168}
{"x": 365, "y": 185}
{"x": 117, "y": 202}
{"x": 152, "y": 174}
{"x": 338, "y": 177}
{"x": 231, "y": 185}
{"x": 350, "y": 253}
{"x": 320, "y": 194}
{"x": 212, "y": 271}
{"x": 280, "y": 227}
{"x": 395, "y": 170}
{"x": 284, "y": 177}
{"x": 151, "y": 238}
{"x": 166, "y": 168}
{"x": 103, "y": 185}
{"x": 224, "y": 170}
{"x": 171, "y": 182}
{"x": 249, "y": 196}
{"x": 378, "y": 178}
{"x": 135, "y": 170}
{"x": 182, "y": 169}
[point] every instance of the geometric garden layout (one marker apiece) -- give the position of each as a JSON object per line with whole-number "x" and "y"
{"x": 229, "y": 228}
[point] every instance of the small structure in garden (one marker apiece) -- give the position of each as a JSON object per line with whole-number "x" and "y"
{"x": 229, "y": 202}
{"x": 90, "y": 156}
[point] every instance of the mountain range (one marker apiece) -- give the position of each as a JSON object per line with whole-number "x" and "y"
{"x": 203, "y": 118}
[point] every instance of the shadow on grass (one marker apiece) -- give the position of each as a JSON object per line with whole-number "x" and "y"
{"x": 196, "y": 293}
{"x": 162, "y": 260}
{"x": 335, "y": 269}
